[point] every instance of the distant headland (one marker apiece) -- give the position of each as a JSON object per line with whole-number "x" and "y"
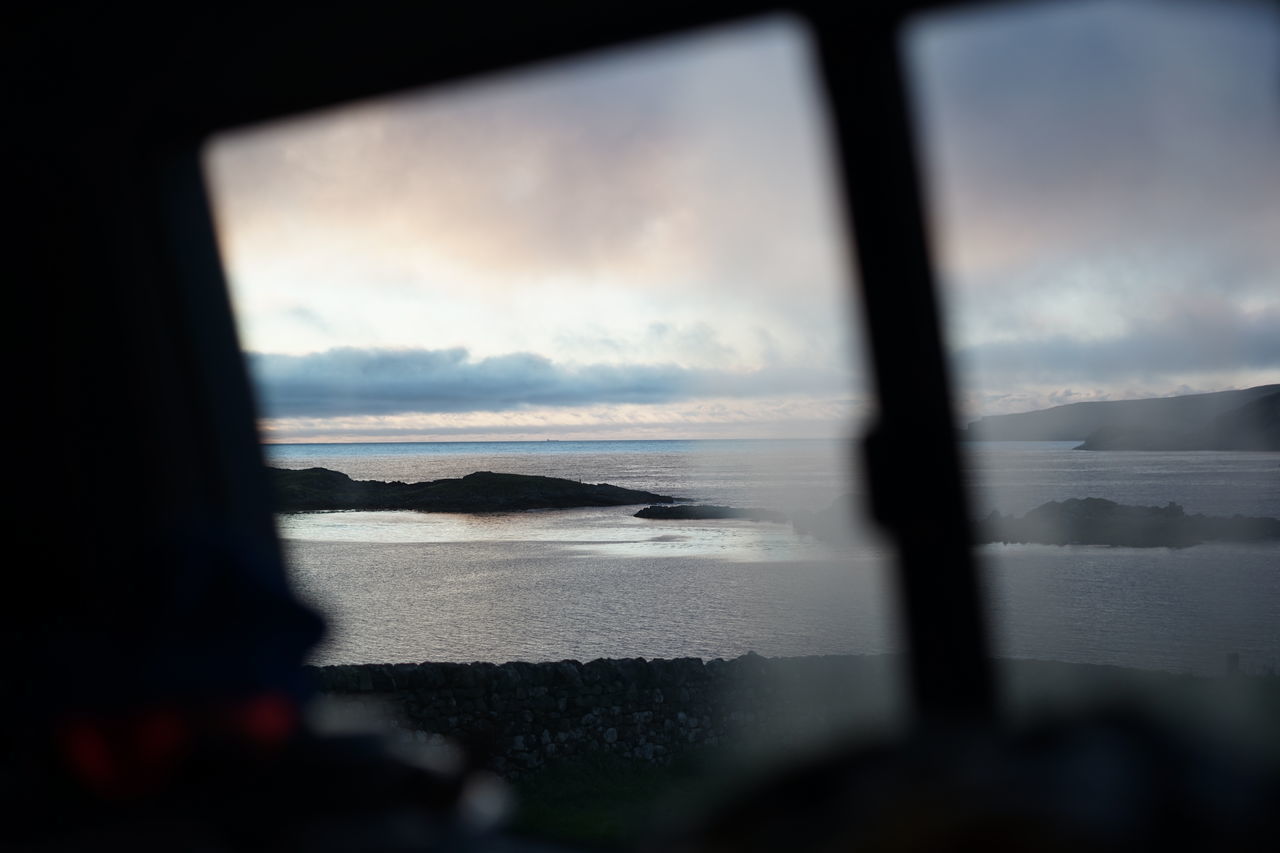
{"x": 311, "y": 489}
{"x": 1248, "y": 419}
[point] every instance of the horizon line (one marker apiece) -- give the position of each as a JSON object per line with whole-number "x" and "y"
{"x": 543, "y": 440}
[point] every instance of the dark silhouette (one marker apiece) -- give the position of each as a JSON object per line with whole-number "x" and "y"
{"x": 695, "y": 512}
{"x": 483, "y": 491}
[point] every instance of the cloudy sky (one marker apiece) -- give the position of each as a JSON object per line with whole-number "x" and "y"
{"x": 1106, "y": 188}
{"x": 646, "y": 244}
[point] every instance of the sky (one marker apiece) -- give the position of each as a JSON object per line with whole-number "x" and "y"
{"x": 1105, "y": 179}
{"x": 648, "y": 243}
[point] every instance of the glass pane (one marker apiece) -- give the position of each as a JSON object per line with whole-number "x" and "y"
{"x": 621, "y": 269}
{"x": 1104, "y": 185}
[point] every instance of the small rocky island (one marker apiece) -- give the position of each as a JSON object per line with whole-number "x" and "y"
{"x": 1096, "y": 521}
{"x": 1077, "y": 521}
{"x": 312, "y": 489}
{"x": 699, "y": 512}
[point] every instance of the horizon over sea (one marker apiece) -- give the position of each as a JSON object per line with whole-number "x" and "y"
{"x": 597, "y": 582}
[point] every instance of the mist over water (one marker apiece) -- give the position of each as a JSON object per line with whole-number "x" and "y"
{"x": 597, "y": 582}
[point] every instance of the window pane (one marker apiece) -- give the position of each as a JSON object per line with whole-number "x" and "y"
{"x": 622, "y": 269}
{"x": 1104, "y": 186}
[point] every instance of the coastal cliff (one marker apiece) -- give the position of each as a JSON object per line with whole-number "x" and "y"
{"x": 312, "y": 489}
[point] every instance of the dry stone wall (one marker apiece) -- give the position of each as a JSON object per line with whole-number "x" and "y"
{"x": 518, "y": 716}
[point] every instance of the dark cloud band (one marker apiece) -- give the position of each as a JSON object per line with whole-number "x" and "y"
{"x": 350, "y": 381}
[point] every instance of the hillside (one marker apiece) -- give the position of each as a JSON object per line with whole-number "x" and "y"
{"x": 1248, "y": 419}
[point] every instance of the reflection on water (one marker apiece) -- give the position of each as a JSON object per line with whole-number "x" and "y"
{"x": 608, "y": 532}
{"x": 524, "y": 600}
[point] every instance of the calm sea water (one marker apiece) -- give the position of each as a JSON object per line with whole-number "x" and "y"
{"x": 547, "y": 585}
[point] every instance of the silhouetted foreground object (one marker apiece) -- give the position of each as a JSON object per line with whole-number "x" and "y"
{"x": 1095, "y": 521}
{"x": 1108, "y": 782}
{"x": 159, "y": 779}
{"x": 698, "y": 512}
{"x": 483, "y": 491}
{"x": 1225, "y": 420}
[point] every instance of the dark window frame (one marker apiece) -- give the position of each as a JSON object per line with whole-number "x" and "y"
{"x": 125, "y": 114}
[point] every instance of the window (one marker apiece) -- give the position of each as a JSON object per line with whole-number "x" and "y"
{"x": 623, "y": 268}
{"x": 1104, "y": 194}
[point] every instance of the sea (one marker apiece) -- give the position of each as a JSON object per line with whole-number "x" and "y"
{"x": 598, "y": 582}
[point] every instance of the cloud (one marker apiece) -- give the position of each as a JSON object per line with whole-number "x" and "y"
{"x": 682, "y": 185}
{"x": 1105, "y": 194}
{"x": 701, "y": 155}
{"x": 1204, "y": 336}
{"x": 349, "y": 381}
{"x": 653, "y": 227}
{"x": 1075, "y": 126}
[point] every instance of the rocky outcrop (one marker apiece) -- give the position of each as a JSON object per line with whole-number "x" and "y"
{"x": 322, "y": 489}
{"x": 1096, "y": 521}
{"x": 698, "y": 512}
